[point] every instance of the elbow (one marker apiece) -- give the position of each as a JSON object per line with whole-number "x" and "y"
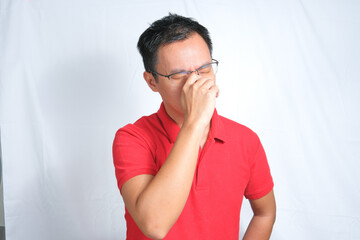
{"x": 274, "y": 214}
{"x": 273, "y": 219}
{"x": 153, "y": 224}
{"x": 154, "y": 231}
{"x": 271, "y": 216}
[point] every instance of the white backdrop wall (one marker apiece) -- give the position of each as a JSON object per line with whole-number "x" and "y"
{"x": 71, "y": 76}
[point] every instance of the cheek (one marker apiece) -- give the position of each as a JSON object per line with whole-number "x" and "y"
{"x": 178, "y": 89}
{"x": 176, "y": 92}
{"x": 175, "y": 88}
{"x": 172, "y": 92}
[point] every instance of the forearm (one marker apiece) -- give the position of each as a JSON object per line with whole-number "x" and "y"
{"x": 260, "y": 228}
{"x": 163, "y": 200}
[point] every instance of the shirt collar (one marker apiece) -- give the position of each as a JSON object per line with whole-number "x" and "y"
{"x": 217, "y": 131}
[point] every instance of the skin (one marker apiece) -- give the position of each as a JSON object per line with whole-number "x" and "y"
{"x": 156, "y": 202}
{"x": 261, "y": 224}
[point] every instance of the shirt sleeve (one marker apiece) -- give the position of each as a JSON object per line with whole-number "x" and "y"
{"x": 132, "y": 154}
{"x": 260, "y": 182}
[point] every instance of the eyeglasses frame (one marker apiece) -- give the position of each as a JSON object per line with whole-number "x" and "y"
{"x": 187, "y": 72}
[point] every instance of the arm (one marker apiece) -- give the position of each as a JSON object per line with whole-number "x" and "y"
{"x": 261, "y": 224}
{"x": 156, "y": 202}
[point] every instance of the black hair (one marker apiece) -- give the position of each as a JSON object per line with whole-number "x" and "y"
{"x": 167, "y": 30}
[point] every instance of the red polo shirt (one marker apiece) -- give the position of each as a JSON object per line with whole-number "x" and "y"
{"x": 231, "y": 165}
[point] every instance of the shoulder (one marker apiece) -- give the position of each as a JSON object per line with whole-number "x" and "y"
{"x": 142, "y": 130}
{"x": 235, "y": 130}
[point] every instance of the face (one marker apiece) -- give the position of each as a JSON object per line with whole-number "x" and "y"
{"x": 185, "y": 55}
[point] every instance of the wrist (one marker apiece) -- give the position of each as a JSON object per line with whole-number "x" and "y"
{"x": 196, "y": 128}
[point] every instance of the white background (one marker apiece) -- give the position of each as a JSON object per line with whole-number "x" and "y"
{"x": 71, "y": 76}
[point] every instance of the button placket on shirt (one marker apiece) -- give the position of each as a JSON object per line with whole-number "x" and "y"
{"x": 201, "y": 178}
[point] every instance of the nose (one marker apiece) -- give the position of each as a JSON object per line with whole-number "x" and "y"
{"x": 191, "y": 72}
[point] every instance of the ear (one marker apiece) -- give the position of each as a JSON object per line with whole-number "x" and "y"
{"x": 150, "y": 80}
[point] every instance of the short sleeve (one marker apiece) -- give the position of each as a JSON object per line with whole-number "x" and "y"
{"x": 132, "y": 154}
{"x": 260, "y": 182}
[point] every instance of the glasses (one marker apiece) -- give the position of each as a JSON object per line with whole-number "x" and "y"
{"x": 205, "y": 70}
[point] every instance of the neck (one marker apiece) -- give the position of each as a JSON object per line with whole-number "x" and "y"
{"x": 176, "y": 116}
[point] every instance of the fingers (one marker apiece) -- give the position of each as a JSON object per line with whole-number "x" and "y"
{"x": 215, "y": 90}
{"x": 191, "y": 79}
{"x": 196, "y": 82}
{"x": 198, "y": 98}
{"x": 207, "y": 85}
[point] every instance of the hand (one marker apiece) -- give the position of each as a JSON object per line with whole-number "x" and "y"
{"x": 198, "y": 99}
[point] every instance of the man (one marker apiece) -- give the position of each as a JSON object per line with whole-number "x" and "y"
{"x": 184, "y": 170}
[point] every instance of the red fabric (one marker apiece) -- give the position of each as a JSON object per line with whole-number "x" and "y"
{"x": 231, "y": 165}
